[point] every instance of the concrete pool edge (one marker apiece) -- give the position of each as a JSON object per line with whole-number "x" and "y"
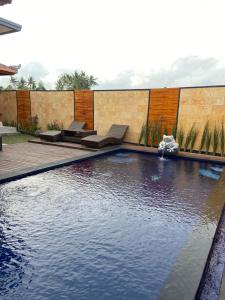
{"x": 209, "y": 285}
{"x": 180, "y": 155}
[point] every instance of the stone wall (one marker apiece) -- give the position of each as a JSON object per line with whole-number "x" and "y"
{"x": 121, "y": 107}
{"x": 101, "y": 109}
{"x": 52, "y": 106}
{"x": 199, "y": 105}
{"x": 8, "y": 106}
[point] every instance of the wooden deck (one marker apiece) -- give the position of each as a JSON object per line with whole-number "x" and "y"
{"x": 27, "y": 155}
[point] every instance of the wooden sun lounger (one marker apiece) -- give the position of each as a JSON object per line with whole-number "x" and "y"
{"x": 114, "y": 136}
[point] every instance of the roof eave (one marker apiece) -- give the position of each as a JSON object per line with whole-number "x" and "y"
{"x": 9, "y": 26}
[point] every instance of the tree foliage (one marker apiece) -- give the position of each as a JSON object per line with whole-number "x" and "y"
{"x": 24, "y": 84}
{"x": 78, "y": 80}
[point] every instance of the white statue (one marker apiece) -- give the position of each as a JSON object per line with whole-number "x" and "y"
{"x": 168, "y": 145}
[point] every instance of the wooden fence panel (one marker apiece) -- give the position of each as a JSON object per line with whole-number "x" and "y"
{"x": 23, "y": 108}
{"x": 164, "y": 107}
{"x": 84, "y": 107}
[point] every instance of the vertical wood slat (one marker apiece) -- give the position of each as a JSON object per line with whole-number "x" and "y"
{"x": 23, "y": 108}
{"x": 84, "y": 107}
{"x": 164, "y": 107}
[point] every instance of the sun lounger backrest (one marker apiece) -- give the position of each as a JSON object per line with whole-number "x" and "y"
{"x": 77, "y": 125}
{"x": 117, "y": 131}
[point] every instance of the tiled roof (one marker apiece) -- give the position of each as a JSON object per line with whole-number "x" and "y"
{"x": 4, "y": 70}
{"x": 2, "y": 2}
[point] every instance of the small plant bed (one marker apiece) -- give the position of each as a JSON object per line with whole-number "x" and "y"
{"x": 207, "y": 140}
{"x": 16, "y": 138}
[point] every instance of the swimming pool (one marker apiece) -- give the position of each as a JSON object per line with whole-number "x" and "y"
{"x": 122, "y": 226}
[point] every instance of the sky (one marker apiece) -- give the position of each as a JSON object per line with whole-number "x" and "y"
{"x": 123, "y": 43}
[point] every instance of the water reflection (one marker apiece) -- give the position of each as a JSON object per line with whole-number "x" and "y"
{"x": 101, "y": 228}
{"x": 12, "y": 260}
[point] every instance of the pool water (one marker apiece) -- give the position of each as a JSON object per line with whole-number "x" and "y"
{"x": 106, "y": 228}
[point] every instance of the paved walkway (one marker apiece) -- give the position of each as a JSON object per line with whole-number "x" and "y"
{"x": 27, "y": 155}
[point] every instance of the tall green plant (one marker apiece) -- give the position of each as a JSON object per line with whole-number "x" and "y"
{"x": 165, "y": 131}
{"x": 180, "y": 137}
{"x": 208, "y": 141}
{"x": 195, "y": 133}
{"x": 203, "y": 139}
{"x": 215, "y": 139}
{"x": 153, "y": 133}
{"x": 144, "y": 133}
{"x": 174, "y": 131}
{"x": 188, "y": 139}
{"x": 159, "y": 131}
{"x": 141, "y": 134}
{"x": 222, "y": 139}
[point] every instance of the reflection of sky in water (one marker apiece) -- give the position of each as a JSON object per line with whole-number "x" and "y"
{"x": 107, "y": 228}
{"x": 209, "y": 174}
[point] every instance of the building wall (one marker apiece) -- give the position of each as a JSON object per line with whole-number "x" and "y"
{"x": 199, "y": 105}
{"x": 121, "y": 107}
{"x": 53, "y": 106}
{"x": 84, "y": 107}
{"x": 8, "y": 106}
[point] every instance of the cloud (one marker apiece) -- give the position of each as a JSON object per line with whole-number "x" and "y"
{"x": 187, "y": 71}
{"x": 35, "y": 69}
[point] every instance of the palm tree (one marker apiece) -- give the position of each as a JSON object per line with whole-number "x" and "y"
{"x": 22, "y": 84}
{"x": 75, "y": 81}
{"x": 25, "y": 84}
{"x": 31, "y": 83}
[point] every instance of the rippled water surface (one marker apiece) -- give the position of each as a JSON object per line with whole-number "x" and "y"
{"x": 107, "y": 228}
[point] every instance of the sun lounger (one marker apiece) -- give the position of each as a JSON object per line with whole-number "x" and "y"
{"x": 73, "y": 135}
{"x": 114, "y": 136}
{"x": 76, "y": 134}
{"x": 56, "y": 135}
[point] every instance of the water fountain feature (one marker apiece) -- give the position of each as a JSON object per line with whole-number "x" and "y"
{"x": 168, "y": 146}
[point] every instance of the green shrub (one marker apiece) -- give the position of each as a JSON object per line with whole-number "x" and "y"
{"x": 32, "y": 128}
{"x": 9, "y": 123}
{"x": 55, "y": 125}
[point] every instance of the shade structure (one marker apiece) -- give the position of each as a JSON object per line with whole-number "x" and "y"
{"x": 7, "y": 26}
